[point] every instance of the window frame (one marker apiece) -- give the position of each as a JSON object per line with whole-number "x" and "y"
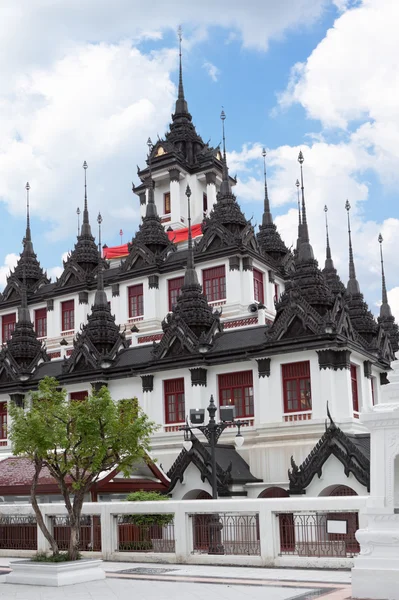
{"x": 167, "y": 204}
{"x": 173, "y": 390}
{"x": 41, "y": 317}
{"x": 3, "y": 420}
{"x": 68, "y": 308}
{"x": 297, "y": 377}
{"x": 259, "y": 286}
{"x": 214, "y": 283}
{"x": 354, "y": 386}
{"x": 241, "y": 380}
{"x": 8, "y": 323}
{"x": 172, "y": 290}
{"x": 140, "y": 302}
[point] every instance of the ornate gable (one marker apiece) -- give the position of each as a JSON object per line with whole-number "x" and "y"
{"x": 336, "y": 443}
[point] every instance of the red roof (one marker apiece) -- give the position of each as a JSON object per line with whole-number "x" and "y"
{"x": 20, "y": 471}
{"x": 177, "y": 236}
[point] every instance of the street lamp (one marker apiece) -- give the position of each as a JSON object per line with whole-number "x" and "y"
{"x": 212, "y": 431}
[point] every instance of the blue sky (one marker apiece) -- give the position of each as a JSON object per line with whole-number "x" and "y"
{"x": 91, "y": 83}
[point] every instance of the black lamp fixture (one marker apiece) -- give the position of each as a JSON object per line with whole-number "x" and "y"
{"x": 212, "y": 431}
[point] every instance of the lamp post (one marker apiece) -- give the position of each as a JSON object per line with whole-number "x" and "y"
{"x": 212, "y": 431}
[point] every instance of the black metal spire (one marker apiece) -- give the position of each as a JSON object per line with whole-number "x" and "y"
{"x": 329, "y": 271}
{"x": 305, "y": 250}
{"x": 225, "y": 187}
{"x": 385, "y": 309}
{"x": 267, "y": 215}
{"x": 353, "y": 284}
{"x": 329, "y": 262}
{"x": 86, "y": 229}
{"x": 298, "y": 242}
{"x": 268, "y": 237}
{"x": 190, "y": 276}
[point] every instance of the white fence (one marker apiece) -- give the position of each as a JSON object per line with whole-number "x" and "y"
{"x": 299, "y": 532}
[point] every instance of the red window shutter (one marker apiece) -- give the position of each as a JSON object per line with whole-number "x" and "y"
{"x": 7, "y": 326}
{"x": 174, "y": 400}
{"x": 259, "y": 293}
{"x": 3, "y": 420}
{"x": 214, "y": 283}
{"x": 136, "y": 301}
{"x": 68, "y": 315}
{"x": 174, "y": 288}
{"x": 296, "y": 387}
{"x": 355, "y": 392}
{"x": 41, "y": 322}
{"x": 237, "y": 389}
{"x": 78, "y": 395}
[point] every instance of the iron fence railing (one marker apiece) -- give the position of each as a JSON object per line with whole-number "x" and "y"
{"x": 18, "y": 532}
{"x": 226, "y": 533}
{"x": 90, "y": 533}
{"x": 319, "y": 534}
{"x": 150, "y": 536}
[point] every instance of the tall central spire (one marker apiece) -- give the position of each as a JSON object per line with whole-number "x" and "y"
{"x": 181, "y": 103}
{"x": 385, "y": 309}
{"x": 267, "y": 215}
{"x": 86, "y": 229}
{"x": 329, "y": 263}
{"x": 353, "y": 284}
{"x": 305, "y": 250}
{"x": 225, "y": 188}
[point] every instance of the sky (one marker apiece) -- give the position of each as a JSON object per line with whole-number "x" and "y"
{"x": 93, "y": 80}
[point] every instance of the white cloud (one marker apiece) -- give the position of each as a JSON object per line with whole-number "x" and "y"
{"x": 10, "y": 262}
{"x": 212, "y": 70}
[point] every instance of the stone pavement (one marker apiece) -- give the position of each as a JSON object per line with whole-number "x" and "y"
{"x": 151, "y": 581}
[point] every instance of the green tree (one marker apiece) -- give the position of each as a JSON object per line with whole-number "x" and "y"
{"x": 77, "y": 441}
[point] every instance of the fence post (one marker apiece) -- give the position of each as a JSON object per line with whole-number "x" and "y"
{"x": 109, "y": 533}
{"x": 42, "y": 543}
{"x": 182, "y": 527}
{"x": 267, "y": 534}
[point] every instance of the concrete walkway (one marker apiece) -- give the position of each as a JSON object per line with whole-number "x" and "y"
{"x": 190, "y": 582}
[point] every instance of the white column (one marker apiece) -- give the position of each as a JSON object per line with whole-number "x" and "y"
{"x": 174, "y": 188}
{"x": 211, "y": 189}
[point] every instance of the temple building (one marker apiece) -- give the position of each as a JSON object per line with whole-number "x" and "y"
{"x": 201, "y": 304}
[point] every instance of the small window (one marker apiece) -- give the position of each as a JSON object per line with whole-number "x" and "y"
{"x": 174, "y": 400}
{"x": 78, "y": 396}
{"x": 259, "y": 294}
{"x": 355, "y": 391}
{"x": 7, "y": 326}
{"x": 205, "y": 204}
{"x": 3, "y": 420}
{"x": 237, "y": 389}
{"x": 136, "y": 301}
{"x": 214, "y": 283}
{"x": 296, "y": 387}
{"x": 68, "y": 315}
{"x": 174, "y": 288}
{"x": 166, "y": 203}
{"x": 41, "y": 322}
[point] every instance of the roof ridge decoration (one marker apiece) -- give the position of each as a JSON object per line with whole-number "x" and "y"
{"x": 386, "y": 320}
{"x": 226, "y": 225}
{"x": 333, "y": 442}
{"x": 82, "y": 263}
{"x": 100, "y": 339}
{"x": 151, "y": 244}
{"x": 23, "y": 352}
{"x": 329, "y": 271}
{"x": 192, "y": 325}
{"x": 360, "y": 315}
{"x": 27, "y": 266}
{"x": 268, "y": 237}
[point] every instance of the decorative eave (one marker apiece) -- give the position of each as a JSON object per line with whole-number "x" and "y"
{"x": 334, "y": 442}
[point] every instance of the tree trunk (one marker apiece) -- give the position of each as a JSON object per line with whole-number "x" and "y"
{"x": 74, "y": 517}
{"x": 38, "y": 512}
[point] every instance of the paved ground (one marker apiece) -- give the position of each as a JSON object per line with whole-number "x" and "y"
{"x": 183, "y": 582}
